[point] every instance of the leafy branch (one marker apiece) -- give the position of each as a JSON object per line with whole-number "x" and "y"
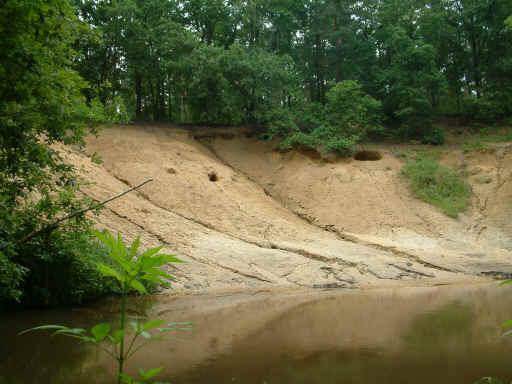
{"x": 132, "y": 270}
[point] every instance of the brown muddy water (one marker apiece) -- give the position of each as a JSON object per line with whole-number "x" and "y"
{"x": 448, "y": 334}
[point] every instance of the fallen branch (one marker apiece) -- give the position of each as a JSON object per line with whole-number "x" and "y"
{"x": 54, "y": 225}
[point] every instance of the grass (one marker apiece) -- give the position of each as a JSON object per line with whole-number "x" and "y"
{"x": 474, "y": 145}
{"x": 430, "y": 152}
{"x": 438, "y": 185}
{"x": 496, "y": 134}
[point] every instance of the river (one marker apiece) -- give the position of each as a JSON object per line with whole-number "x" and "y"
{"x": 443, "y": 334}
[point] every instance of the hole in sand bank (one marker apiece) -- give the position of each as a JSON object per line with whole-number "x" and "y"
{"x": 311, "y": 153}
{"x": 368, "y": 156}
{"x": 212, "y": 176}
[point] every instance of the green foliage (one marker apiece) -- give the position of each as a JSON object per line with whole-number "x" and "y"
{"x": 438, "y": 185}
{"x": 351, "y": 111}
{"x": 508, "y": 22}
{"x": 433, "y": 136}
{"x": 349, "y": 116}
{"x": 222, "y": 62}
{"x": 495, "y": 134}
{"x": 474, "y": 145}
{"x": 130, "y": 269}
{"x": 324, "y": 139}
{"x": 410, "y": 82}
{"x": 11, "y": 277}
{"x": 236, "y": 85}
{"x": 278, "y": 122}
{"x": 490, "y": 108}
{"x": 55, "y": 268}
{"x": 42, "y": 103}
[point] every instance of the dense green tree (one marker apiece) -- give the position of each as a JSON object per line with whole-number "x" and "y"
{"x": 237, "y": 85}
{"x": 41, "y": 104}
{"x": 419, "y": 58}
{"x": 175, "y": 59}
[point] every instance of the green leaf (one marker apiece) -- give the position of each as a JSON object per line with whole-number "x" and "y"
{"x": 116, "y": 248}
{"x": 150, "y": 373}
{"x": 134, "y": 248}
{"x": 100, "y": 331}
{"x": 106, "y": 238}
{"x": 70, "y": 332}
{"x": 160, "y": 274}
{"x": 158, "y": 261}
{"x": 117, "y": 336}
{"x": 152, "y": 324}
{"x": 127, "y": 379}
{"x": 151, "y": 252}
{"x": 120, "y": 246}
{"x": 151, "y": 278}
{"x": 49, "y": 327}
{"x": 506, "y": 282}
{"x": 507, "y": 324}
{"x": 107, "y": 271}
{"x": 137, "y": 285}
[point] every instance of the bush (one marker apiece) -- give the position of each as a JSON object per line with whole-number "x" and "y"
{"x": 11, "y": 276}
{"x": 278, "y": 122}
{"x": 490, "y": 107}
{"x": 299, "y": 140}
{"x": 41, "y": 265}
{"x": 474, "y": 145}
{"x": 438, "y": 185}
{"x": 53, "y": 269}
{"x": 495, "y": 134}
{"x": 434, "y": 136}
{"x": 322, "y": 139}
{"x": 348, "y": 117}
{"x": 309, "y": 116}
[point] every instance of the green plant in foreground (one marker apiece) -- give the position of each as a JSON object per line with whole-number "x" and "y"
{"x": 438, "y": 185}
{"x": 131, "y": 270}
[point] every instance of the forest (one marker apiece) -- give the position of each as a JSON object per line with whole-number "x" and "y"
{"x": 324, "y": 72}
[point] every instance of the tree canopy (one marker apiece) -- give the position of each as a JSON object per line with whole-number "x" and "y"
{"x": 225, "y": 61}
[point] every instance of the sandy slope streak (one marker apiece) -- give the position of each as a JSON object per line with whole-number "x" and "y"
{"x": 234, "y": 234}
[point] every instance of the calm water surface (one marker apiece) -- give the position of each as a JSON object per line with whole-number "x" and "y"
{"x": 409, "y": 335}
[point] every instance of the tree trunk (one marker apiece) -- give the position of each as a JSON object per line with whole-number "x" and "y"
{"x": 138, "y": 96}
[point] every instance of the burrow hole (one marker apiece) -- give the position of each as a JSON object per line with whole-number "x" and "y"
{"x": 367, "y": 156}
{"x": 212, "y": 176}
